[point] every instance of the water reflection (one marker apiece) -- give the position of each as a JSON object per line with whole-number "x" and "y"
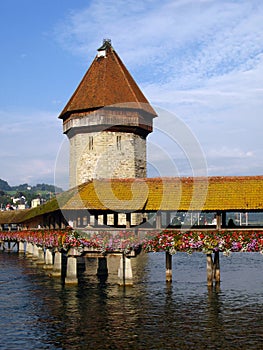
{"x": 38, "y": 312}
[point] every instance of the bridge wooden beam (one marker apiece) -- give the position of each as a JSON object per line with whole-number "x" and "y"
{"x": 218, "y": 220}
{"x": 158, "y": 220}
{"x": 128, "y": 220}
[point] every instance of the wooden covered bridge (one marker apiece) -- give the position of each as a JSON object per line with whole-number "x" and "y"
{"x": 148, "y": 205}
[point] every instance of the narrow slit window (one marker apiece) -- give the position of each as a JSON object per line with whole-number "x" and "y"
{"x": 119, "y": 143}
{"x": 90, "y": 143}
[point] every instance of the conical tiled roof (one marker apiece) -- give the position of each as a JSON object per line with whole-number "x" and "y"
{"x": 107, "y": 82}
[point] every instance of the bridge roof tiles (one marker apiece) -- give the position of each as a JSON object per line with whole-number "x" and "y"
{"x": 152, "y": 194}
{"x": 237, "y": 193}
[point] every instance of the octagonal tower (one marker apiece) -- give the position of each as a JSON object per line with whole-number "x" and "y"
{"x": 107, "y": 120}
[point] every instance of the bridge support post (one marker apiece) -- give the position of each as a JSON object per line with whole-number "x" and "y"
{"x": 21, "y": 248}
{"x": 209, "y": 269}
{"x": 223, "y": 216}
{"x": 35, "y": 252}
{"x": 125, "y": 272}
{"x": 57, "y": 267}
{"x": 71, "y": 275}
{"x": 41, "y": 256}
{"x": 29, "y": 248}
{"x": 158, "y": 222}
{"x": 213, "y": 269}
{"x": 48, "y": 260}
{"x": 218, "y": 220}
{"x": 9, "y": 246}
{"x": 216, "y": 268}
{"x": 128, "y": 220}
{"x": 168, "y": 263}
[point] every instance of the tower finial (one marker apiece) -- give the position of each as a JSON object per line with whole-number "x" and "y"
{"x": 102, "y": 51}
{"x": 105, "y": 45}
{"x": 107, "y": 41}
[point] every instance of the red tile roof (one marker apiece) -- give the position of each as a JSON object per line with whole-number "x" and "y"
{"x": 107, "y": 82}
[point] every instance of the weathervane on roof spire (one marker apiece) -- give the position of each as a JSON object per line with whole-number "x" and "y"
{"x": 105, "y": 45}
{"x": 108, "y": 41}
{"x": 103, "y": 49}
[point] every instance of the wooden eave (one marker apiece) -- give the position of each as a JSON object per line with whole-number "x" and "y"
{"x": 13, "y": 216}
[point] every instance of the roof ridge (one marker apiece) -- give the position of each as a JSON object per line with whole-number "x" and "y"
{"x": 65, "y": 109}
{"x": 180, "y": 178}
{"x": 119, "y": 62}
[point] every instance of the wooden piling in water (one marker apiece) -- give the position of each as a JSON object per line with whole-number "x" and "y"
{"x": 213, "y": 268}
{"x": 216, "y": 267}
{"x": 209, "y": 269}
{"x": 168, "y": 263}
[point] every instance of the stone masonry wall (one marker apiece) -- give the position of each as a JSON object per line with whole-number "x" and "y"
{"x": 106, "y": 154}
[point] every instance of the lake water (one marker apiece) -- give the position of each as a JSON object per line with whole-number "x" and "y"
{"x": 38, "y": 312}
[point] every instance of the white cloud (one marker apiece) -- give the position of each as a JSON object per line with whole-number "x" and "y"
{"x": 184, "y": 37}
{"x": 202, "y": 60}
{"x": 225, "y": 152}
{"x": 29, "y": 143}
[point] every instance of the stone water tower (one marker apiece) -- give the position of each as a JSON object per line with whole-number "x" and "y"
{"x": 107, "y": 120}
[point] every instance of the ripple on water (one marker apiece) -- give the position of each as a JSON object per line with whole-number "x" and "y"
{"x": 38, "y": 312}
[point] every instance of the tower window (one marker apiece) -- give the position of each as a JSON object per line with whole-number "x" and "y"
{"x": 90, "y": 143}
{"x": 118, "y": 140}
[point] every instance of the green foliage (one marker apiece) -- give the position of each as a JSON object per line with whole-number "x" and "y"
{"x": 4, "y": 185}
{"x": 43, "y": 191}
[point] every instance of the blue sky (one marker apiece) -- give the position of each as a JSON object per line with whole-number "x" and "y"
{"x": 200, "y": 60}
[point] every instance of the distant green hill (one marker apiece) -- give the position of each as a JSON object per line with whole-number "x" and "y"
{"x": 26, "y": 193}
{"x": 4, "y": 186}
